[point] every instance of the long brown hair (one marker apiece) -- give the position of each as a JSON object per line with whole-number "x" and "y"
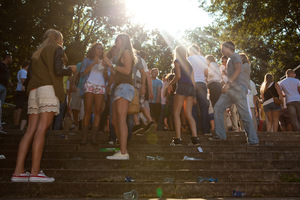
{"x": 91, "y": 52}
{"x": 181, "y": 55}
{"x": 269, "y": 78}
{"x": 244, "y": 58}
{"x": 126, "y": 44}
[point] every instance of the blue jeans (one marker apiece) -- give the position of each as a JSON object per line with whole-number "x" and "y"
{"x": 201, "y": 96}
{"x": 238, "y": 96}
{"x": 2, "y": 98}
{"x": 58, "y": 119}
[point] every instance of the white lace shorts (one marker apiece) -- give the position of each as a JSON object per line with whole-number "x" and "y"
{"x": 43, "y": 99}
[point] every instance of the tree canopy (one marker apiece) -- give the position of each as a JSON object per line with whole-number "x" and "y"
{"x": 267, "y": 30}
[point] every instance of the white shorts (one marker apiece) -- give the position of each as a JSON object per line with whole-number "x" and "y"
{"x": 43, "y": 99}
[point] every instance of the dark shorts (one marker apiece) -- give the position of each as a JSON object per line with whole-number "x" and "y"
{"x": 271, "y": 107}
{"x": 20, "y": 98}
{"x": 185, "y": 90}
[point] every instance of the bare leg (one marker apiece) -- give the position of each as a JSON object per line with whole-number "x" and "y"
{"x": 270, "y": 121}
{"x": 188, "y": 113}
{"x": 177, "y": 107}
{"x": 75, "y": 116}
{"x": 122, "y": 108}
{"x": 99, "y": 98}
{"x": 25, "y": 143}
{"x": 17, "y": 118}
{"x": 275, "y": 115}
{"x": 146, "y": 113}
{"x": 88, "y": 102}
{"x": 45, "y": 120}
{"x": 114, "y": 120}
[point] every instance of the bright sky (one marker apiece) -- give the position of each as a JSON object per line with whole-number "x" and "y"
{"x": 172, "y": 16}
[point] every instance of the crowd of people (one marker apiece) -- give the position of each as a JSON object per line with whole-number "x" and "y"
{"x": 115, "y": 91}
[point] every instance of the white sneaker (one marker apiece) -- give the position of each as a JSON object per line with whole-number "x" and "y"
{"x": 23, "y": 177}
{"x": 118, "y": 156}
{"x": 41, "y": 177}
{"x": 3, "y": 132}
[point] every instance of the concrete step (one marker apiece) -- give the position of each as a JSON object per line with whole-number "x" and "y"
{"x": 141, "y": 155}
{"x": 152, "y": 165}
{"x": 183, "y": 190}
{"x": 161, "y": 141}
{"x": 164, "y": 134}
{"x": 177, "y": 176}
{"x": 162, "y": 148}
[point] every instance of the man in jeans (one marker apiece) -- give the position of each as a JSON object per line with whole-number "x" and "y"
{"x": 200, "y": 68}
{"x": 234, "y": 91}
{"x": 291, "y": 87}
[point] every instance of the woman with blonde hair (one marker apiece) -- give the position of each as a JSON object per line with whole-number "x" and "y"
{"x": 45, "y": 92}
{"x": 184, "y": 95}
{"x": 270, "y": 89}
{"x": 94, "y": 89}
{"x": 124, "y": 92}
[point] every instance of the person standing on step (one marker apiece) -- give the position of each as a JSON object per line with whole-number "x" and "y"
{"x": 45, "y": 92}
{"x": 184, "y": 95}
{"x": 155, "y": 105}
{"x": 213, "y": 80}
{"x": 270, "y": 89}
{"x": 94, "y": 90}
{"x": 291, "y": 88}
{"x": 20, "y": 95}
{"x": 234, "y": 91}
{"x": 200, "y": 68}
{"x": 4, "y": 83}
{"x": 124, "y": 92}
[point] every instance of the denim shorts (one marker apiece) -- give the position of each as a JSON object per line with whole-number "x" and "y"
{"x": 185, "y": 90}
{"x": 271, "y": 107}
{"x": 124, "y": 90}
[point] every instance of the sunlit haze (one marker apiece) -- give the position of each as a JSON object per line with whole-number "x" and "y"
{"x": 172, "y": 16}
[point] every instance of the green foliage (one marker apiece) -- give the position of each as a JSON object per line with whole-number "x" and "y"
{"x": 267, "y": 30}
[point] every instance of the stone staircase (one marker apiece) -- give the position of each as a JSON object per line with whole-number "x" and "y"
{"x": 269, "y": 170}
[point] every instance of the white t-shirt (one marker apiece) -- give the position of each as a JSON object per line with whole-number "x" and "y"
{"x": 199, "y": 64}
{"x": 253, "y": 93}
{"x": 22, "y": 74}
{"x": 145, "y": 67}
{"x": 163, "y": 96}
{"x": 214, "y": 73}
{"x": 224, "y": 77}
{"x": 290, "y": 87}
{"x": 96, "y": 75}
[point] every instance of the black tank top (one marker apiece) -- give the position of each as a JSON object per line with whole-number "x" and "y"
{"x": 123, "y": 78}
{"x": 270, "y": 91}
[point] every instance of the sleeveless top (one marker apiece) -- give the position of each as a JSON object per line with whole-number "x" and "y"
{"x": 185, "y": 74}
{"x": 269, "y": 92}
{"x": 121, "y": 78}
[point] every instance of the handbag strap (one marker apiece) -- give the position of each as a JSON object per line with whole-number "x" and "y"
{"x": 270, "y": 92}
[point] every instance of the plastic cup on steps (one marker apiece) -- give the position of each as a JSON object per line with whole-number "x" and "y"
{"x": 131, "y": 195}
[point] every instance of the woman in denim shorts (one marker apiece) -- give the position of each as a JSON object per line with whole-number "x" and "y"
{"x": 94, "y": 89}
{"x": 268, "y": 90}
{"x": 184, "y": 95}
{"x": 124, "y": 92}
